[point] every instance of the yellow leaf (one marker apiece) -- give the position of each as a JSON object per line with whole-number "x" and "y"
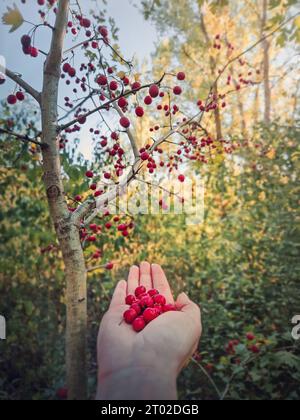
{"x": 121, "y": 75}
{"x": 271, "y": 154}
{"x": 13, "y": 17}
{"x": 262, "y": 196}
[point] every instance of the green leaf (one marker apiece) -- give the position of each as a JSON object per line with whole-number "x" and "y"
{"x": 288, "y": 359}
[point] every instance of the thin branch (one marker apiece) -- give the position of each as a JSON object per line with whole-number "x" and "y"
{"x": 100, "y": 267}
{"x": 151, "y": 184}
{"x": 264, "y": 38}
{"x": 209, "y": 378}
{"x": 24, "y": 138}
{"x": 29, "y": 89}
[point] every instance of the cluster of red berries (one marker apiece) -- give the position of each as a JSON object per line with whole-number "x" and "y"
{"x": 145, "y": 307}
{"x": 28, "y": 49}
{"x": 232, "y": 344}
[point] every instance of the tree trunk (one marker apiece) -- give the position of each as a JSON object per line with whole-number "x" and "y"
{"x": 66, "y": 230}
{"x": 266, "y": 65}
{"x": 213, "y": 64}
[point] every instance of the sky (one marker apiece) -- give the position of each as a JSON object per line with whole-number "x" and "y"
{"x": 137, "y": 38}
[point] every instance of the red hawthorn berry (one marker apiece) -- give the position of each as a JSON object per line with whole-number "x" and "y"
{"x": 124, "y": 122}
{"x": 103, "y": 31}
{"x": 137, "y": 307}
{"x": 122, "y": 227}
{"x": 11, "y": 99}
{"x": 125, "y": 233}
{"x": 154, "y": 91}
{"x": 250, "y": 336}
{"x": 153, "y": 292}
{"x": 130, "y": 300}
{"x": 92, "y": 238}
{"x": 115, "y": 136}
{"x": 140, "y": 290}
{"x": 113, "y": 85}
{"x": 181, "y": 178}
{"x": 108, "y": 225}
{"x": 20, "y": 96}
{"x": 145, "y": 156}
{"x": 103, "y": 143}
{"x": 181, "y": 76}
{"x": 26, "y": 50}
{"x": 89, "y": 174}
{"x": 254, "y": 349}
{"x": 160, "y": 300}
{"x": 139, "y": 112}
{"x": 136, "y": 86}
{"x": 34, "y": 52}
{"x": 209, "y": 367}
{"x": 150, "y": 314}
{"x": 93, "y": 227}
{"x": 109, "y": 266}
{"x": 107, "y": 175}
{"x": 159, "y": 308}
{"x": 177, "y": 90}
{"x": 72, "y": 72}
{"x": 139, "y": 324}
{"x": 102, "y": 80}
{"x": 66, "y": 67}
{"x": 78, "y": 198}
{"x": 122, "y": 102}
{"x": 146, "y": 302}
{"x": 148, "y": 100}
{"x": 93, "y": 187}
{"x": 96, "y": 255}
{"x": 82, "y": 119}
{"x": 26, "y": 41}
{"x": 129, "y": 316}
{"x": 62, "y": 393}
{"x": 86, "y": 23}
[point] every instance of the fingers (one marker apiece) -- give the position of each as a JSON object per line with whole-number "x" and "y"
{"x": 145, "y": 275}
{"x": 161, "y": 283}
{"x": 133, "y": 279}
{"x": 184, "y": 304}
{"x": 119, "y": 294}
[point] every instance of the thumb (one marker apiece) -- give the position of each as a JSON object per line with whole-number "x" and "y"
{"x": 184, "y": 304}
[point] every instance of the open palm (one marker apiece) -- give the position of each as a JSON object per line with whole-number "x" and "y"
{"x": 168, "y": 341}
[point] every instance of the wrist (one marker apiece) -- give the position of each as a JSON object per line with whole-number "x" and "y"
{"x": 139, "y": 382}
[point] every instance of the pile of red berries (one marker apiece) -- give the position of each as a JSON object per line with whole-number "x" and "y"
{"x": 145, "y": 307}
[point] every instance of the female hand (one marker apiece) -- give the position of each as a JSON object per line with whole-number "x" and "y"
{"x": 145, "y": 365}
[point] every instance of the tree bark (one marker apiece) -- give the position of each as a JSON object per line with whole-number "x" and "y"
{"x": 67, "y": 231}
{"x": 266, "y": 66}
